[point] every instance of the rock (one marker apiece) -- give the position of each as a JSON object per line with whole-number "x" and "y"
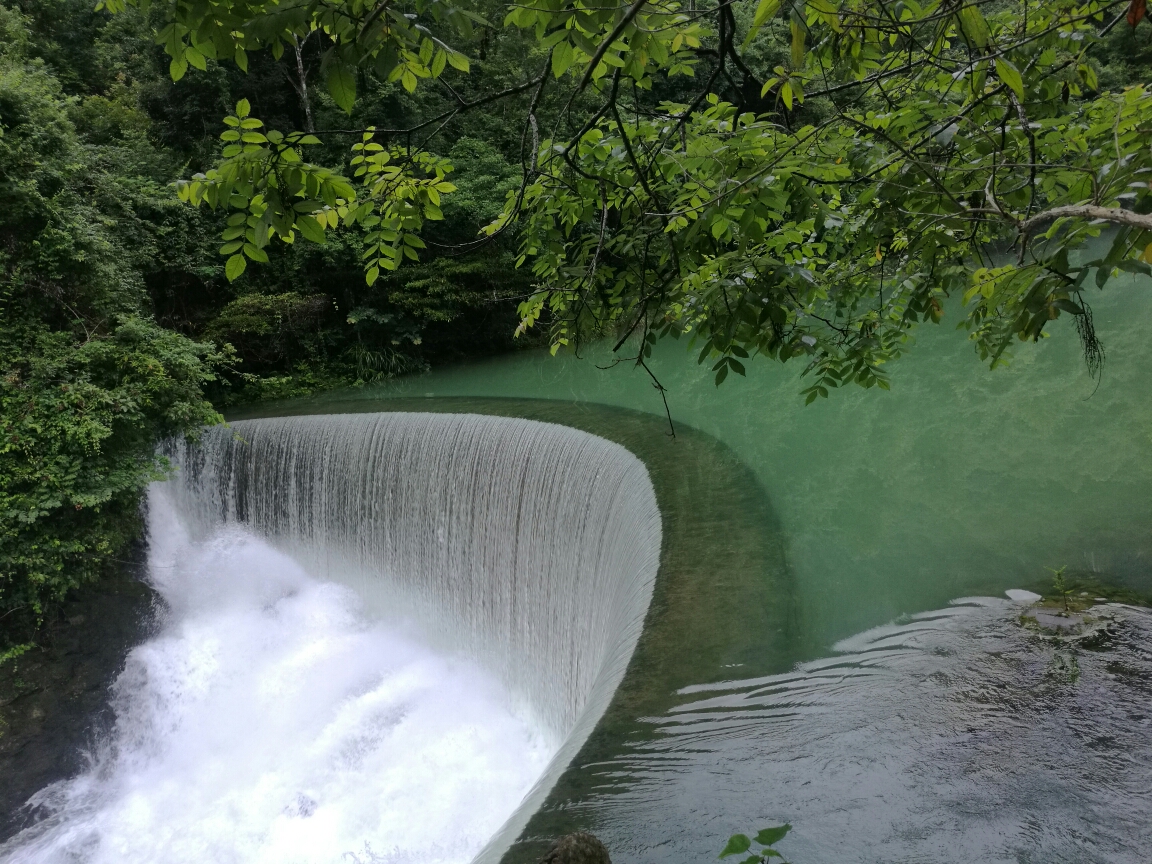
{"x": 1059, "y": 621}
{"x": 1064, "y": 665}
{"x": 1024, "y": 598}
{"x": 54, "y": 699}
{"x": 1098, "y": 637}
{"x": 578, "y": 848}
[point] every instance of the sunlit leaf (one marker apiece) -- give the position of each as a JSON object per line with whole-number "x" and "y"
{"x": 234, "y": 267}
{"x": 562, "y": 57}
{"x": 1010, "y": 75}
{"x": 310, "y": 228}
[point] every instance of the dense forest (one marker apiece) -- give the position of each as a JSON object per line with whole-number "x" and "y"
{"x": 123, "y": 324}
{"x": 119, "y": 326}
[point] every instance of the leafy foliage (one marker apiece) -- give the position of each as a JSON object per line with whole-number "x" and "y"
{"x": 81, "y": 418}
{"x": 957, "y": 136}
{"x": 766, "y": 839}
{"x": 89, "y": 384}
{"x": 804, "y": 180}
{"x": 896, "y": 154}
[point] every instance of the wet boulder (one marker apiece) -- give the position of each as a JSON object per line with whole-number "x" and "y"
{"x": 578, "y": 848}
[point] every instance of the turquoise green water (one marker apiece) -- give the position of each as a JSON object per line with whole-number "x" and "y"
{"x": 959, "y": 481}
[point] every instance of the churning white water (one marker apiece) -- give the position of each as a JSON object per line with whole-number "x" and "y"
{"x": 270, "y": 721}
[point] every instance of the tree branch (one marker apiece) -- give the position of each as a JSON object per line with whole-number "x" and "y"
{"x": 1089, "y": 211}
{"x": 632, "y": 12}
{"x": 475, "y": 103}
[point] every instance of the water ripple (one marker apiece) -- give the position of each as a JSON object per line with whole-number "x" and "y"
{"x": 953, "y": 735}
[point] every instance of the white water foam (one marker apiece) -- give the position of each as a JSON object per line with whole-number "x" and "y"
{"x": 269, "y": 721}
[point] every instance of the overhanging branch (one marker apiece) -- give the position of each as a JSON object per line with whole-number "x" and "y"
{"x": 1089, "y": 211}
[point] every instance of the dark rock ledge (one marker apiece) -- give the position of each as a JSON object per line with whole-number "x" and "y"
{"x": 54, "y": 698}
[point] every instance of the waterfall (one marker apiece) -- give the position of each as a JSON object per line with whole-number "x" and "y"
{"x": 268, "y": 721}
{"x": 530, "y": 548}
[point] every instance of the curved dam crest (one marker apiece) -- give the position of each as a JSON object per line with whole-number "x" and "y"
{"x": 530, "y": 547}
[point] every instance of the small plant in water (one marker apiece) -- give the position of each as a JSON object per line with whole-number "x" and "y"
{"x": 738, "y": 844}
{"x": 1059, "y": 585}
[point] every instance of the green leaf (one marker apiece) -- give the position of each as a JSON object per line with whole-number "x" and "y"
{"x": 798, "y": 34}
{"x": 458, "y": 61}
{"x": 772, "y": 836}
{"x": 235, "y": 266}
{"x": 764, "y": 11}
{"x": 1135, "y": 267}
{"x": 310, "y": 228}
{"x": 737, "y": 843}
{"x": 177, "y": 68}
{"x": 1010, "y": 75}
{"x": 243, "y": 107}
{"x": 1119, "y": 248}
{"x": 342, "y": 84}
{"x": 562, "y": 57}
{"x": 255, "y": 254}
{"x": 438, "y": 63}
{"x": 195, "y": 58}
{"x": 974, "y": 25}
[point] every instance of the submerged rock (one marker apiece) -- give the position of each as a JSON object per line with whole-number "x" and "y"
{"x": 1024, "y": 598}
{"x": 1058, "y": 621}
{"x": 578, "y": 848}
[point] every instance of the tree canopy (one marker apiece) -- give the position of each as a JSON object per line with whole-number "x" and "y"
{"x": 89, "y": 384}
{"x": 898, "y": 154}
{"x": 398, "y": 183}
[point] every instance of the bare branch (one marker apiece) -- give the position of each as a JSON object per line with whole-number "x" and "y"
{"x": 1089, "y": 211}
